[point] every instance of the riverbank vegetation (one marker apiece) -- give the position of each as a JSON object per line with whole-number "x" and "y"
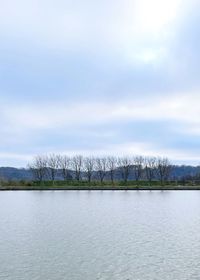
{"x": 78, "y": 172}
{"x": 99, "y": 170}
{"x": 82, "y": 185}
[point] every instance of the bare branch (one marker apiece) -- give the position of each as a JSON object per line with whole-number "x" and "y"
{"x": 64, "y": 163}
{"x": 89, "y": 163}
{"x": 77, "y": 162}
{"x": 39, "y": 168}
{"x": 125, "y": 167}
{"x": 150, "y": 166}
{"x": 111, "y": 166}
{"x": 163, "y": 167}
{"x": 52, "y": 164}
{"x": 100, "y": 166}
{"x": 138, "y": 167}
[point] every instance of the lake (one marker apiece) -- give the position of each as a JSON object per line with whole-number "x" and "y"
{"x": 108, "y": 235}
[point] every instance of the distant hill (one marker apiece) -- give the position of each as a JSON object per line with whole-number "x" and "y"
{"x": 178, "y": 172}
{"x": 11, "y": 173}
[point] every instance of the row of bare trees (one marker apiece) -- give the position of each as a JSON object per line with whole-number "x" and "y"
{"x": 111, "y": 168}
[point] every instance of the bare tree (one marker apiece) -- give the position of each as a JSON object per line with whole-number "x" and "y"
{"x": 111, "y": 166}
{"x": 150, "y": 165}
{"x": 44, "y": 167}
{"x": 163, "y": 167}
{"x": 52, "y": 164}
{"x": 138, "y": 167}
{"x": 89, "y": 163}
{"x": 125, "y": 167}
{"x": 39, "y": 168}
{"x": 100, "y": 166}
{"x": 77, "y": 162}
{"x": 64, "y": 164}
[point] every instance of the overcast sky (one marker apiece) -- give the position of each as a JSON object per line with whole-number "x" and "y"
{"x": 99, "y": 77}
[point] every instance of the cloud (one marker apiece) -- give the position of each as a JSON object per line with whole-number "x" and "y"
{"x": 179, "y": 107}
{"x": 148, "y": 126}
{"x": 99, "y": 77}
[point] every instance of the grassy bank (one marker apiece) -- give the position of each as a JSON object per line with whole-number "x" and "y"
{"x": 83, "y": 185}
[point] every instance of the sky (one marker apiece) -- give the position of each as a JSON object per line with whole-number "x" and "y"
{"x": 118, "y": 77}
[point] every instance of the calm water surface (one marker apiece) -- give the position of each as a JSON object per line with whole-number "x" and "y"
{"x": 99, "y": 235}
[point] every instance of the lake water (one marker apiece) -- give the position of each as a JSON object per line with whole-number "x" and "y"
{"x": 108, "y": 235}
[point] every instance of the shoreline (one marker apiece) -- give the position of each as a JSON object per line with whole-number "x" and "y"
{"x": 99, "y": 188}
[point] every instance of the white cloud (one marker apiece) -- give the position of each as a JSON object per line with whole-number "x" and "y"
{"x": 120, "y": 25}
{"x": 152, "y": 16}
{"x": 178, "y": 107}
{"x": 135, "y": 36}
{"x": 183, "y": 108}
{"x": 23, "y": 123}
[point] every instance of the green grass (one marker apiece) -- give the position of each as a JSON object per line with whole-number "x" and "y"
{"x": 95, "y": 185}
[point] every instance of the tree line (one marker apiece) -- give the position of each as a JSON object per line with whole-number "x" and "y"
{"x": 109, "y": 168}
